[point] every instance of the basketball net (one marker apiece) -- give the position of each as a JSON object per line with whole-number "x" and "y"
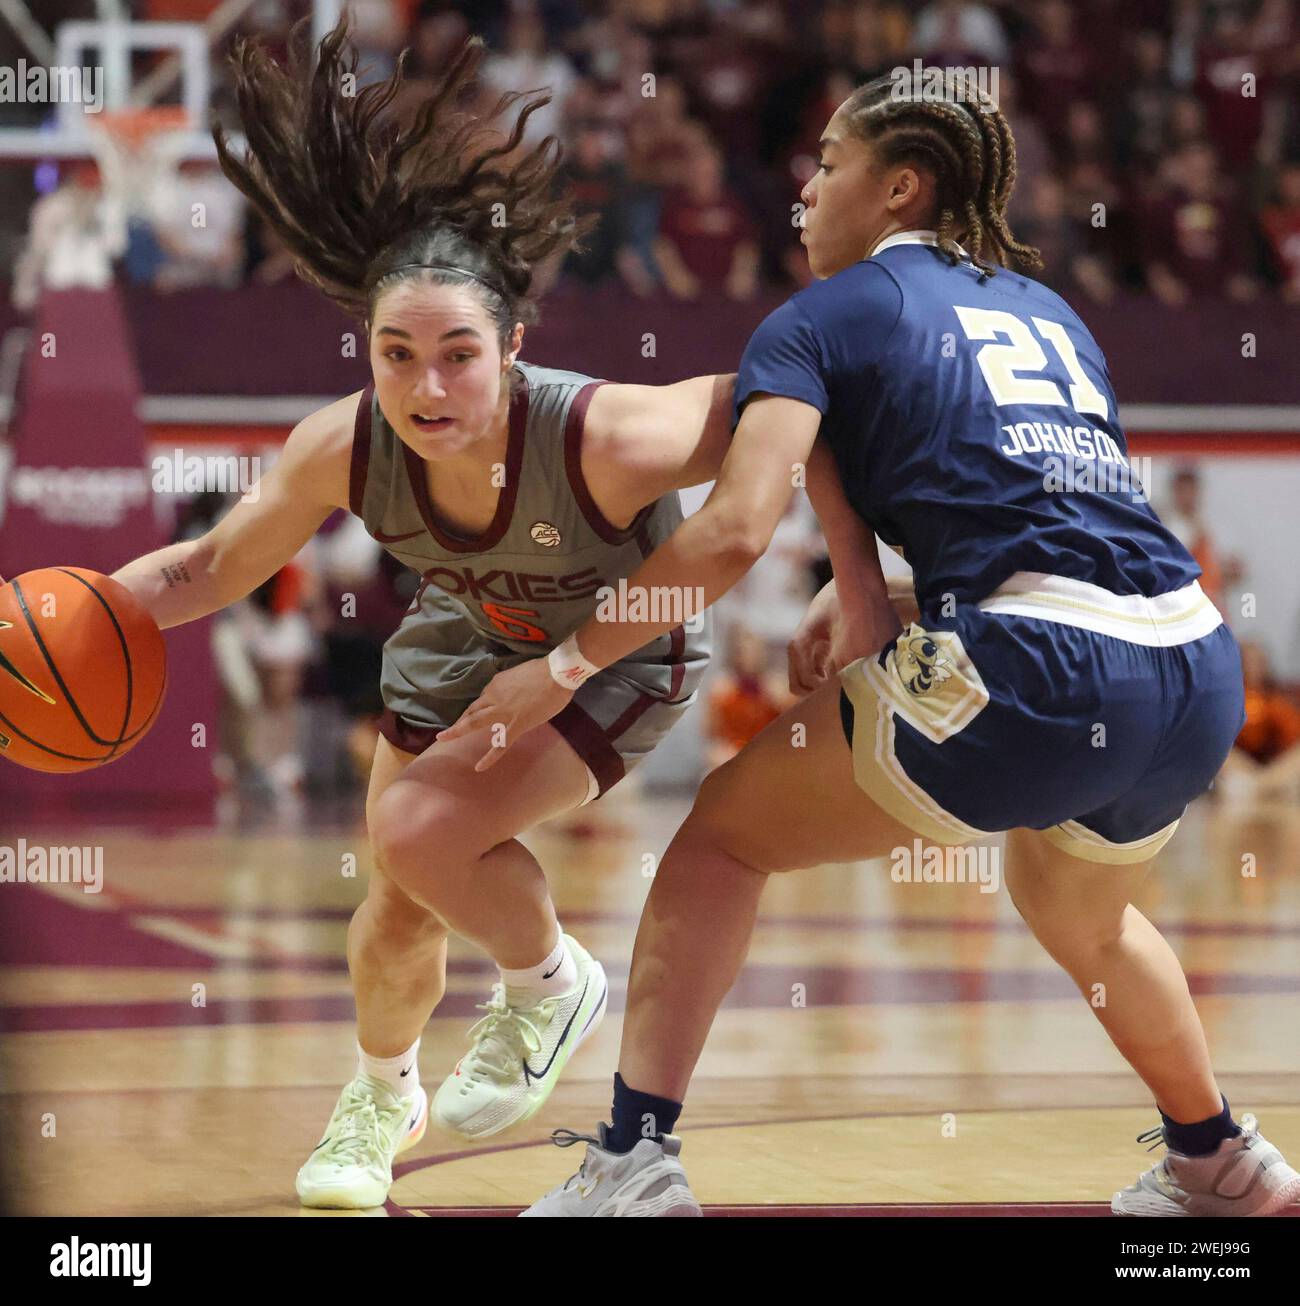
{"x": 138, "y": 152}
{"x": 78, "y": 231}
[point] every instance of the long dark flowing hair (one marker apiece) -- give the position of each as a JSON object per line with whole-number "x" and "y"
{"x": 366, "y": 197}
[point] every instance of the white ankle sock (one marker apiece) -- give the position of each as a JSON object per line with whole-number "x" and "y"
{"x": 554, "y": 976}
{"x": 401, "y": 1073}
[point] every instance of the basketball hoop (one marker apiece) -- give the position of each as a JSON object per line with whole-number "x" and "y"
{"x": 138, "y": 151}
{"x": 76, "y": 233}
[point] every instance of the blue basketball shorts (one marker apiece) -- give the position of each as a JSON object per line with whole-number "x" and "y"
{"x": 1052, "y": 705}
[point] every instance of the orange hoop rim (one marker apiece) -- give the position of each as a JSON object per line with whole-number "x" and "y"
{"x": 135, "y": 126}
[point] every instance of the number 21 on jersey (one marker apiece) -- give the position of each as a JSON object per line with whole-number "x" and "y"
{"x": 1008, "y": 367}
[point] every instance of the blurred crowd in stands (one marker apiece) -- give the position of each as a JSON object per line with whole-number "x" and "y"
{"x": 1158, "y": 140}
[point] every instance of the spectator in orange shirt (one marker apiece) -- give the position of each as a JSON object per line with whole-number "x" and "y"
{"x": 744, "y": 698}
{"x": 1266, "y": 760}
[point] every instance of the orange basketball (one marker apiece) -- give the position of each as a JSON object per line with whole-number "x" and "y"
{"x": 83, "y": 668}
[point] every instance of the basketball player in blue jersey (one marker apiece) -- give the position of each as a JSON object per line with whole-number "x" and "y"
{"x": 1067, "y": 681}
{"x": 519, "y": 493}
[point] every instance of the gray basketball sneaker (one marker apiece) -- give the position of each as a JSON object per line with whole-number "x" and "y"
{"x": 1245, "y": 1176}
{"x": 648, "y": 1180}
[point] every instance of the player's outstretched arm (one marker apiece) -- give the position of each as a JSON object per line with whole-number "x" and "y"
{"x": 260, "y": 534}
{"x": 640, "y": 442}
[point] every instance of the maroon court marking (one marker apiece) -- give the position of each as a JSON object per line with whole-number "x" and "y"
{"x": 837, "y": 923}
{"x": 47, "y": 929}
{"x": 761, "y": 988}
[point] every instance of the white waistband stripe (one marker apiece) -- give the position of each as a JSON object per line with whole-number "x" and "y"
{"x": 1164, "y": 621}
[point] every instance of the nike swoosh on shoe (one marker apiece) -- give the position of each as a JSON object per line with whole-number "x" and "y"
{"x": 531, "y": 1074}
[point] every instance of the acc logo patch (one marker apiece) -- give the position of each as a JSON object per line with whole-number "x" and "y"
{"x": 545, "y": 534}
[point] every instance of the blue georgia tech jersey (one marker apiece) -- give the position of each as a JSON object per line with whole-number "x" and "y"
{"x": 973, "y": 423}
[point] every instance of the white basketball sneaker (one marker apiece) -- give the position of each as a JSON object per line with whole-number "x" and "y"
{"x": 352, "y": 1165}
{"x": 647, "y": 1181}
{"x": 1246, "y": 1175}
{"x": 518, "y": 1053}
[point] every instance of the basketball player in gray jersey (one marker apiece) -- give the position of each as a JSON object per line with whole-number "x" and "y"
{"x": 518, "y": 493}
{"x": 535, "y": 574}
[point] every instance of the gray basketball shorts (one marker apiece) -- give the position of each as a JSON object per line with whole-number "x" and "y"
{"x": 438, "y": 662}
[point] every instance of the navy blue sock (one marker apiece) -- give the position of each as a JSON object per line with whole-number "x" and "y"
{"x": 1203, "y": 1137}
{"x": 639, "y": 1115}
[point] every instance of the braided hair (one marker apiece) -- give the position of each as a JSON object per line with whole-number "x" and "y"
{"x": 964, "y": 141}
{"x": 366, "y": 198}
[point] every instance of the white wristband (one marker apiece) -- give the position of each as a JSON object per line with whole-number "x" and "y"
{"x": 568, "y": 667}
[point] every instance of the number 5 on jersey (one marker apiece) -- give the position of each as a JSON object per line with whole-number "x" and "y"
{"x": 1002, "y": 364}
{"x": 510, "y": 622}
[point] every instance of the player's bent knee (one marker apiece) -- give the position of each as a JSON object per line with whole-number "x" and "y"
{"x": 720, "y": 822}
{"x": 391, "y": 830}
{"x": 714, "y": 792}
{"x": 704, "y": 835}
{"x": 416, "y": 830}
{"x": 1063, "y": 930}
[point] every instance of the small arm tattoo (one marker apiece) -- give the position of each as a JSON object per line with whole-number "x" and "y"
{"x": 176, "y": 574}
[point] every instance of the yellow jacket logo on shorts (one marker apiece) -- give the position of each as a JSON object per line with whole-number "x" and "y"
{"x": 919, "y": 664}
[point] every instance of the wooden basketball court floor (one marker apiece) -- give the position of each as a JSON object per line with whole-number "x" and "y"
{"x": 891, "y": 1047}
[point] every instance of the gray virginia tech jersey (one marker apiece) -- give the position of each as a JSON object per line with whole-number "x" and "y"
{"x": 532, "y": 578}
